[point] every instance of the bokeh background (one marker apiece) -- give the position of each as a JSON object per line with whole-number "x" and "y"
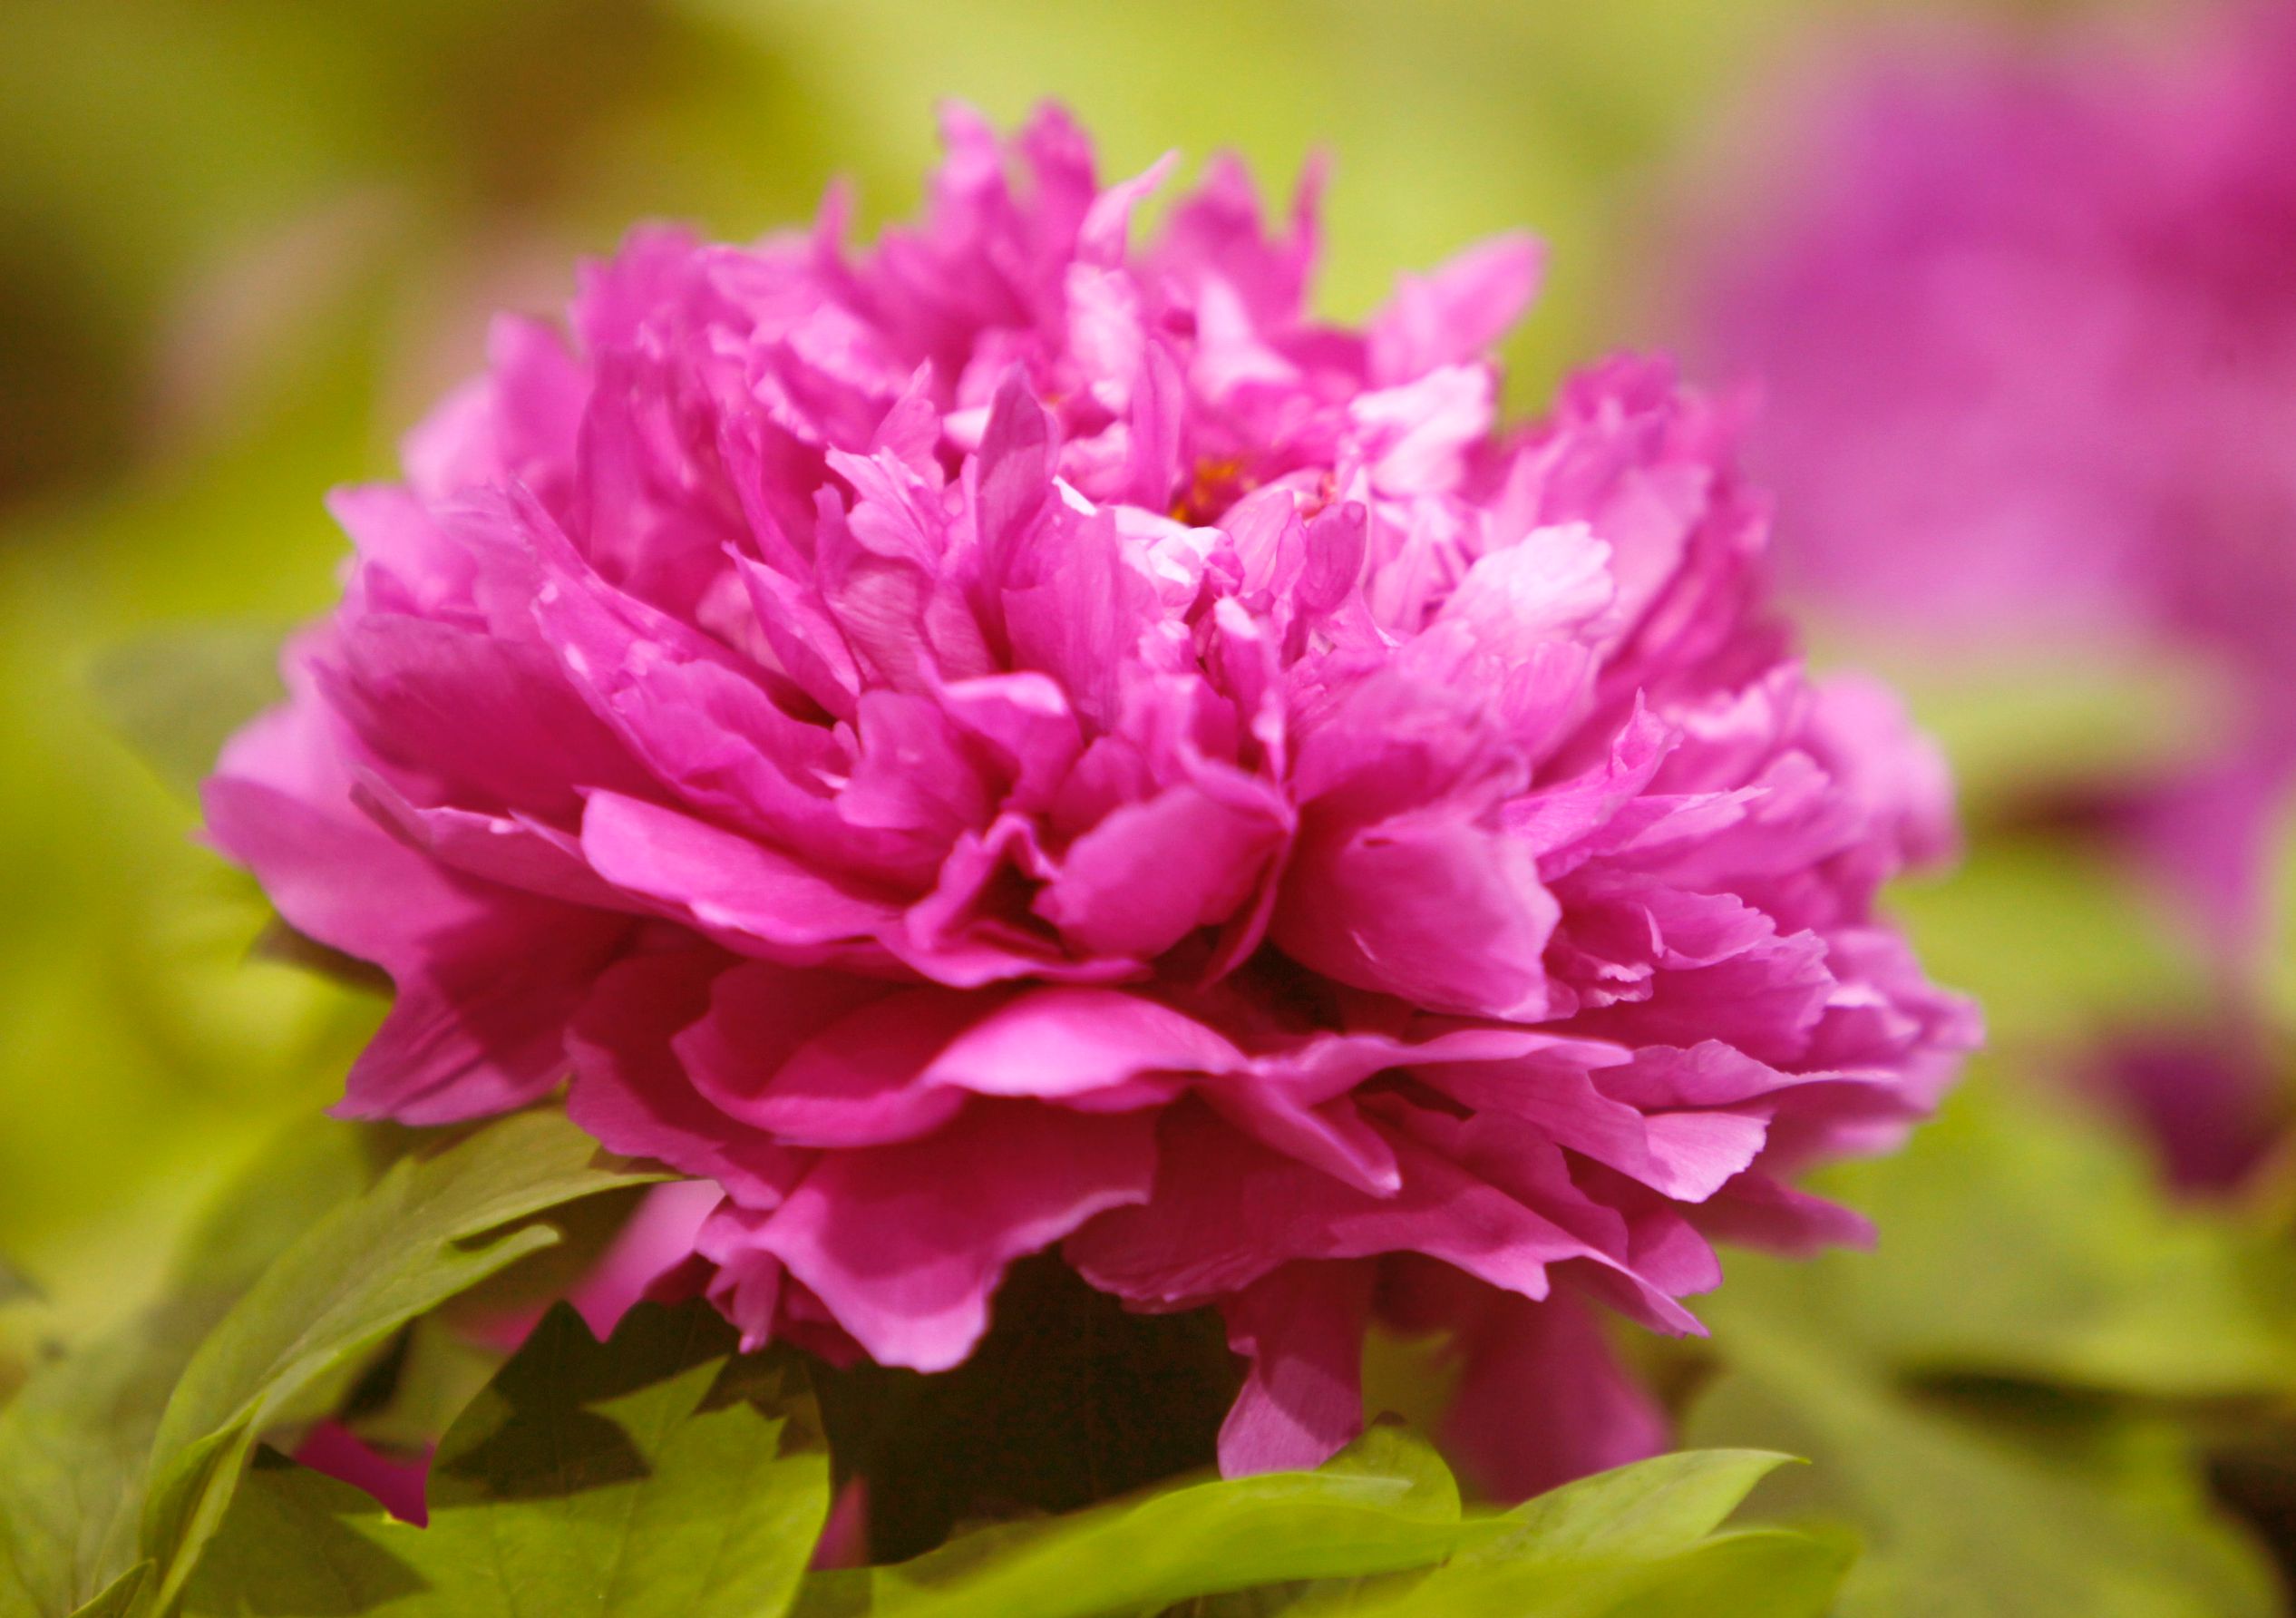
{"x": 242, "y": 242}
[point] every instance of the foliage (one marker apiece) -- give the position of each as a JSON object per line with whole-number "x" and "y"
{"x": 1997, "y": 1428}
{"x": 662, "y": 1472}
{"x": 1999, "y": 1421}
{"x": 657, "y": 1474}
{"x": 1997, "y": 1397}
{"x": 117, "y": 1461}
{"x": 74, "y": 1441}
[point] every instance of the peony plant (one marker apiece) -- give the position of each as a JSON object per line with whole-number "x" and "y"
{"x": 1018, "y": 739}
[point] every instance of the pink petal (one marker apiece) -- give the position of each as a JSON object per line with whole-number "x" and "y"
{"x": 1227, "y": 1211}
{"x": 906, "y": 1243}
{"x": 1543, "y": 1400}
{"x": 659, "y": 1238}
{"x": 1684, "y": 1155}
{"x": 1449, "y": 915}
{"x": 1070, "y": 1043}
{"x": 817, "y": 1060}
{"x": 1457, "y": 313}
{"x": 1149, "y": 874}
{"x": 486, "y": 977}
{"x": 398, "y": 1484}
{"x": 1301, "y": 1328}
{"x": 631, "y": 1091}
{"x": 729, "y": 885}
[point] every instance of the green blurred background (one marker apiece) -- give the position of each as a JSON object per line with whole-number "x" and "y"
{"x": 242, "y": 242}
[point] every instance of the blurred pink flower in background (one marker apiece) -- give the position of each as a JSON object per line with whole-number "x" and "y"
{"x": 1012, "y": 738}
{"x": 2024, "y": 316}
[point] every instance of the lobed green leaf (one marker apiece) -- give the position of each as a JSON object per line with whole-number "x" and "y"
{"x": 75, "y": 1439}
{"x": 1967, "y": 1515}
{"x": 654, "y": 1475}
{"x": 1385, "y": 1503}
{"x": 443, "y": 1218}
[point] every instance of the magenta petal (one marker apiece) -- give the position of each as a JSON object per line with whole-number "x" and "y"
{"x": 659, "y": 1238}
{"x": 1696, "y": 1152}
{"x": 1013, "y": 475}
{"x": 1449, "y": 915}
{"x": 1758, "y": 1212}
{"x": 1012, "y": 736}
{"x": 487, "y": 977}
{"x": 1422, "y": 428}
{"x": 1227, "y": 1211}
{"x": 477, "y": 1039}
{"x": 1075, "y": 609}
{"x": 280, "y": 803}
{"x": 1070, "y": 1042}
{"x": 795, "y": 623}
{"x": 747, "y": 1283}
{"x": 398, "y": 1484}
{"x": 1551, "y": 583}
{"x": 1301, "y": 1328}
{"x": 844, "y": 1541}
{"x": 834, "y": 1063}
{"x": 730, "y": 885}
{"x": 632, "y": 1092}
{"x": 1683, "y": 1154}
{"x": 911, "y": 774}
{"x": 1026, "y": 718}
{"x": 1542, "y": 1400}
{"x": 520, "y": 424}
{"x": 1149, "y": 874}
{"x": 905, "y": 1243}
{"x": 1332, "y": 1135}
{"x": 1457, "y": 313}
{"x": 491, "y": 719}
{"x": 515, "y": 850}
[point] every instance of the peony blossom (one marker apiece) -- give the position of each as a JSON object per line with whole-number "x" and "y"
{"x": 1016, "y": 738}
{"x": 2027, "y": 332}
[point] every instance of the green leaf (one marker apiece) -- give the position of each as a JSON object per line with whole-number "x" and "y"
{"x": 2056, "y": 941}
{"x": 72, "y": 1446}
{"x": 2020, "y": 721}
{"x": 176, "y": 694}
{"x": 439, "y": 1368}
{"x": 1764, "y": 1573}
{"x": 1640, "y": 1539}
{"x": 125, "y": 1595}
{"x": 23, "y": 1325}
{"x": 2083, "y": 1514}
{"x": 305, "y": 1175}
{"x": 75, "y": 1440}
{"x": 1383, "y": 1504}
{"x": 1636, "y": 1540}
{"x": 1760, "y": 1573}
{"x": 445, "y": 1218}
{"x": 2108, "y": 1285}
{"x": 1652, "y": 1508}
{"x": 657, "y": 1475}
{"x": 1984, "y": 1395}
{"x": 2278, "y": 967}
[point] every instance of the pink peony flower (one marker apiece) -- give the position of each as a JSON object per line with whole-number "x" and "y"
{"x": 1015, "y": 738}
{"x": 2027, "y": 332}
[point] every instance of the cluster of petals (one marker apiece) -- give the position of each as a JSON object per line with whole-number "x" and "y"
{"x": 1017, "y": 739}
{"x": 2026, "y": 336}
